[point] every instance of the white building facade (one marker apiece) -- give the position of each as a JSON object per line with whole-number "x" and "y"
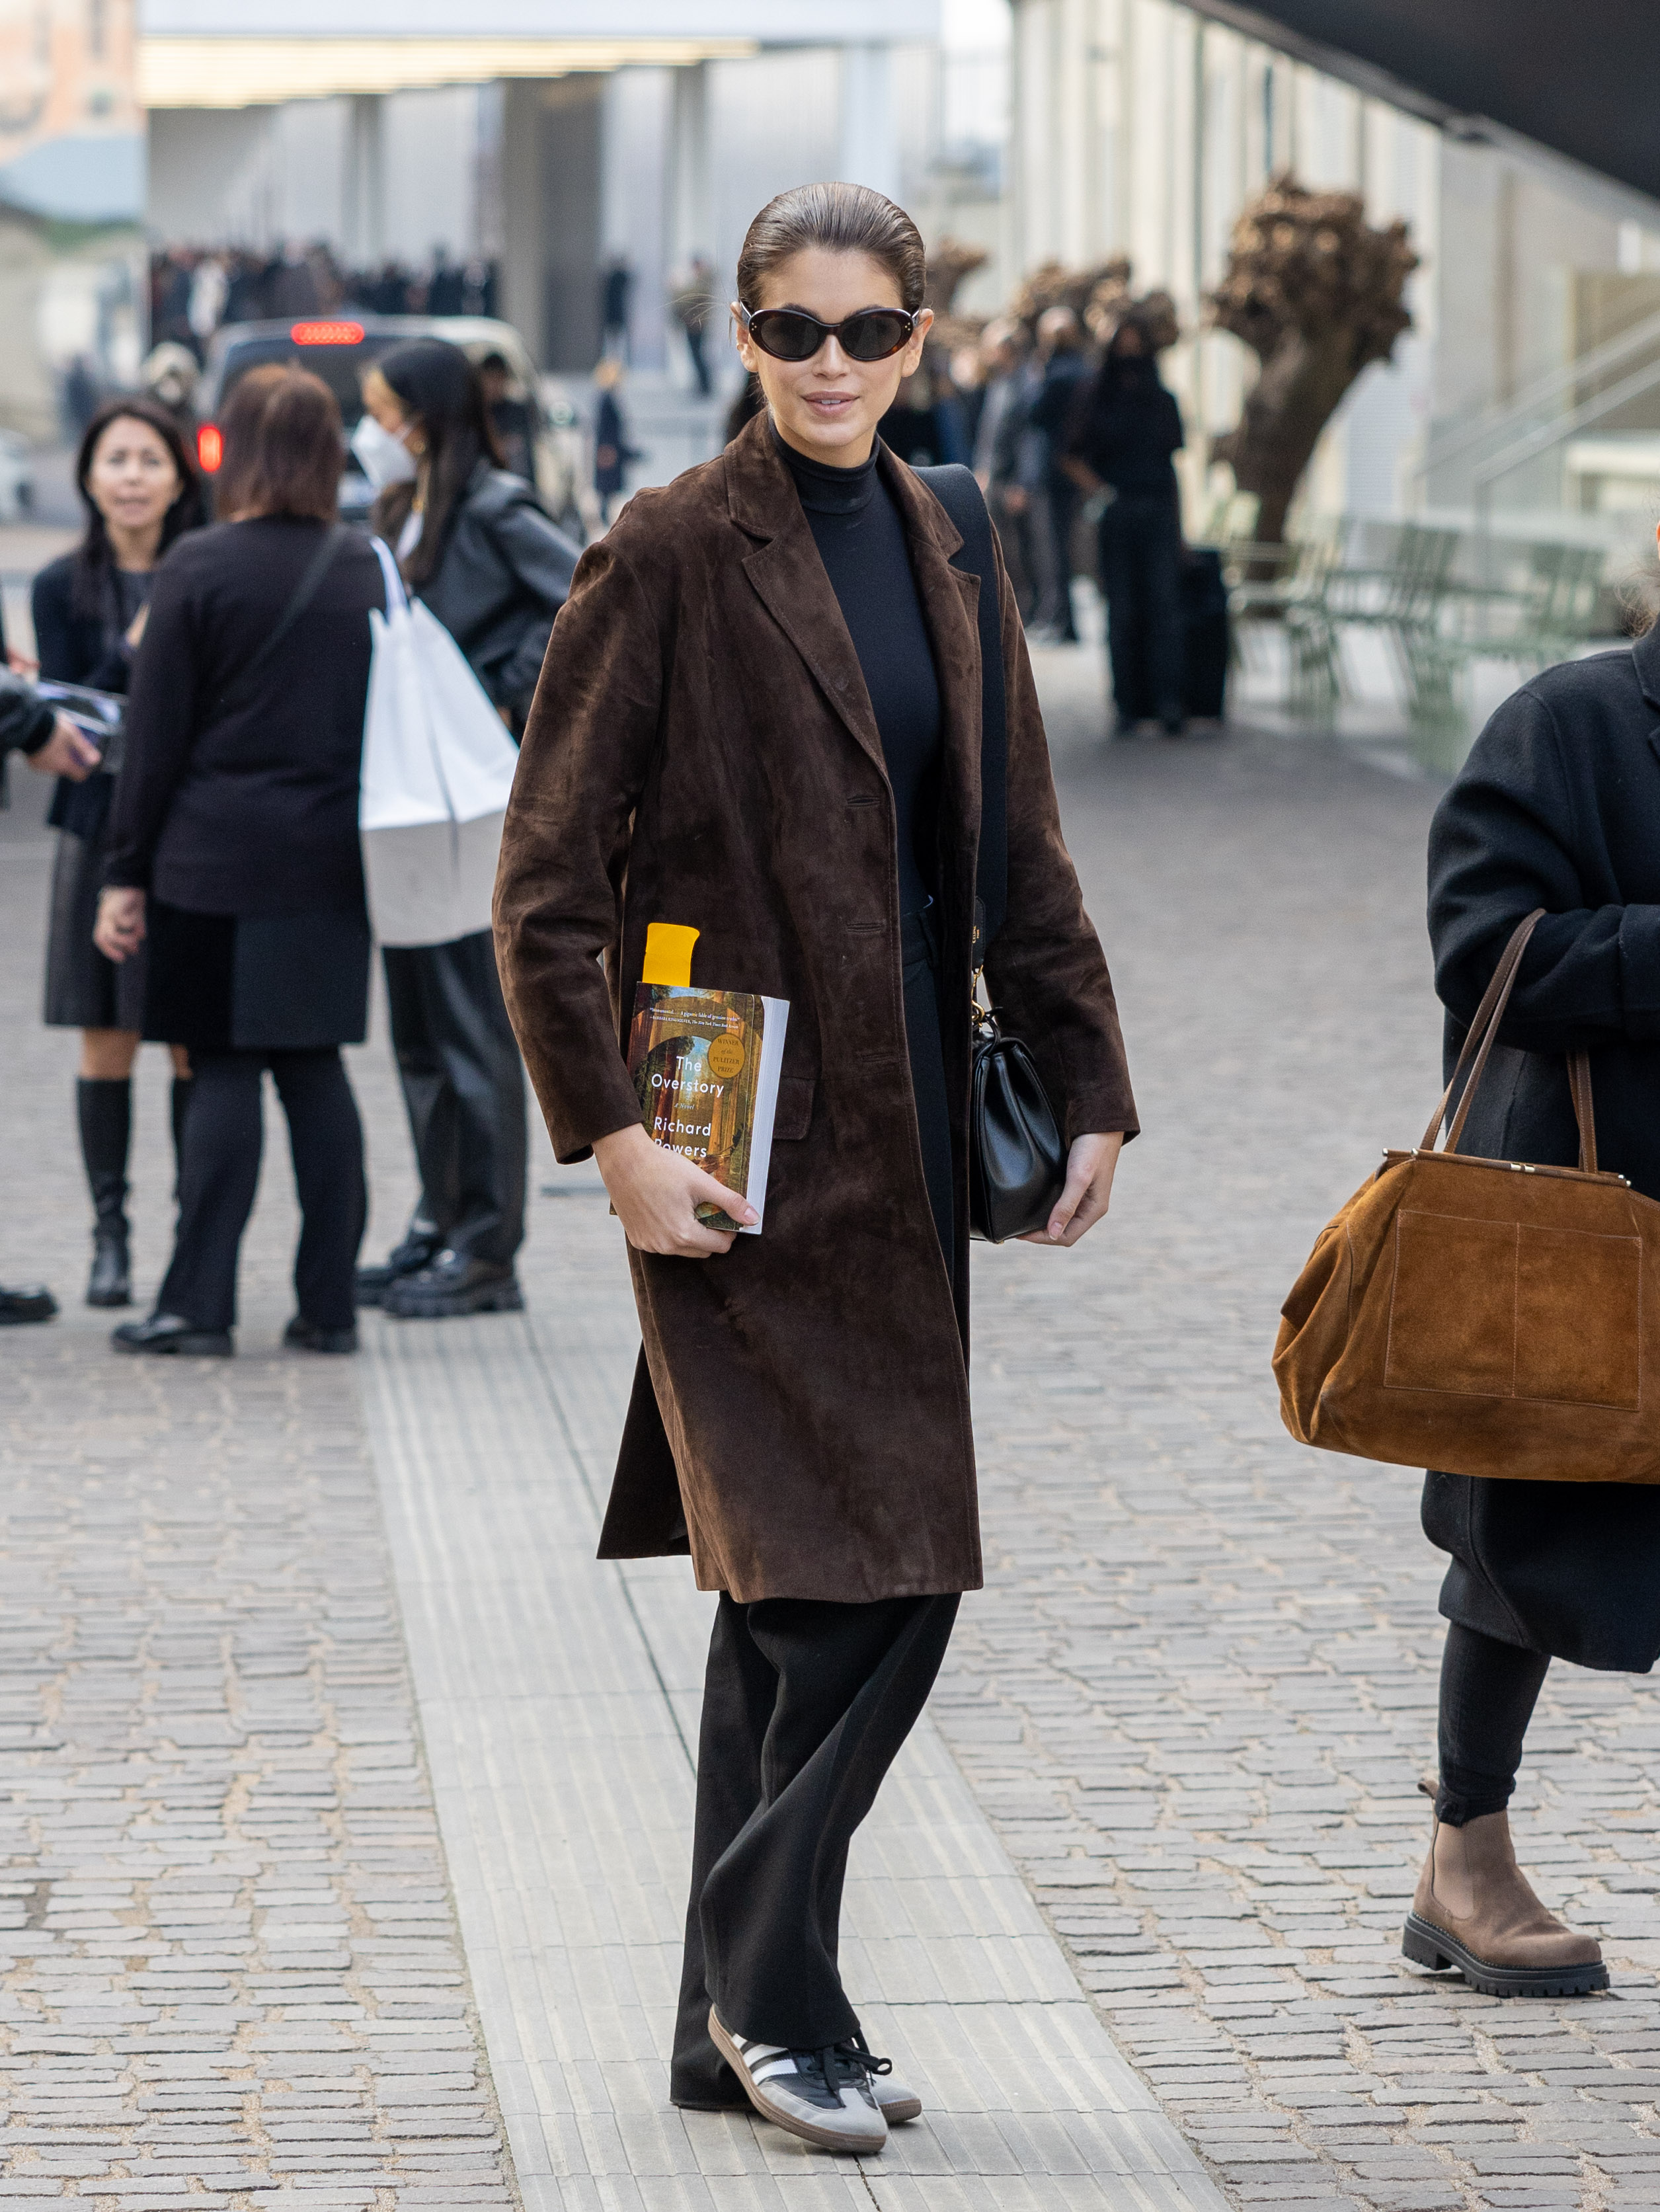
{"x": 1140, "y": 126}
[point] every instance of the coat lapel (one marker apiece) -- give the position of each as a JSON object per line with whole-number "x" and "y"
{"x": 789, "y": 579}
{"x": 790, "y": 582}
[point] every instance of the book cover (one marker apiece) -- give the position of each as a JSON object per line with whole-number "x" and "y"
{"x": 705, "y": 1065}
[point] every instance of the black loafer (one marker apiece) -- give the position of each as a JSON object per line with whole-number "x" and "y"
{"x": 22, "y": 1302}
{"x": 455, "y": 1283}
{"x": 370, "y": 1285}
{"x": 310, "y": 1336}
{"x": 172, "y": 1332}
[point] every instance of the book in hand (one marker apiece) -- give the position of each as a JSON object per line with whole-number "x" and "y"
{"x": 705, "y": 1065}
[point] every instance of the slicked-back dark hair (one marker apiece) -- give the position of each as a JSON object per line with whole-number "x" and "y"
{"x": 842, "y": 219}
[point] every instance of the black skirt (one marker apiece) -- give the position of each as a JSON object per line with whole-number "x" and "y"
{"x": 85, "y": 991}
{"x": 278, "y": 982}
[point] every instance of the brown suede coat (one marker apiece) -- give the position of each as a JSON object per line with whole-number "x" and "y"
{"x": 702, "y": 750}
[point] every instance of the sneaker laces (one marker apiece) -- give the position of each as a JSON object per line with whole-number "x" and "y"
{"x": 857, "y": 2052}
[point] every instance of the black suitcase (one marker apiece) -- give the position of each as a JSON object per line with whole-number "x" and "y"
{"x": 1204, "y": 624}
{"x": 1205, "y": 604}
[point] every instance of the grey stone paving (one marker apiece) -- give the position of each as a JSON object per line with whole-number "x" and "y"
{"x": 1199, "y": 1689}
{"x": 1194, "y": 1698}
{"x": 559, "y": 1701}
{"x": 229, "y": 1965}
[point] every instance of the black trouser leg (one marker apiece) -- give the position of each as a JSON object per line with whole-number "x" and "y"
{"x": 464, "y": 1087}
{"x": 787, "y": 1770}
{"x": 326, "y": 1140}
{"x": 1167, "y": 644}
{"x": 1488, "y": 1692}
{"x": 179, "y": 1105}
{"x": 1121, "y": 581}
{"x": 1063, "y": 495}
{"x": 224, "y": 1134}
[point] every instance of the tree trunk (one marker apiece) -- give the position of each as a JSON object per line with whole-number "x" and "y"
{"x": 1292, "y": 399}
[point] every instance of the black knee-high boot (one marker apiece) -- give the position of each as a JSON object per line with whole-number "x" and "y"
{"x": 180, "y": 1104}
{"x": 105, "y": 1110}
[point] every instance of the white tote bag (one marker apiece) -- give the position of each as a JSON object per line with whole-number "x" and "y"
{"x": 438, "y": 766}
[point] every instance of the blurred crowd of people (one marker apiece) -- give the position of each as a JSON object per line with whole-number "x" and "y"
{"x": 194, "y": 289}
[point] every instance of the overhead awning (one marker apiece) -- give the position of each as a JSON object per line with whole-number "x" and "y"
{"x": 229, "y": 70}
{"x": 1575, "y": 79}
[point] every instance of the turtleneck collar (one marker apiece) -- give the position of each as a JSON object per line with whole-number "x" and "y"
{"x": 824, "y": 489}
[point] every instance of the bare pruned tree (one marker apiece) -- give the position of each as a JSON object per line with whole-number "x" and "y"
{"x": 1316, "y": 295}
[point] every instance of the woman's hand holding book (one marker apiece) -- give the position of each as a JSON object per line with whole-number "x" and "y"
{"x": 655, "y": 1192}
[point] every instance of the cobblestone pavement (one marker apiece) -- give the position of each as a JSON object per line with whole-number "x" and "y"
{"x": 1194, "y": 1698}
{"x": 229, "y": 1969}
{"x": 1200, "y": 1687}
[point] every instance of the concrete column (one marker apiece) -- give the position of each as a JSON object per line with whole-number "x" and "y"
{"x": 869, "y": 150}
{"x": 523, "y": 291}
{"x": 691, "y": 200}
{"x": 366, "y": 185}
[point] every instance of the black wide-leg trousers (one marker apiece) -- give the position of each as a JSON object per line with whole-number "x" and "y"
{"x": 464, "y": 1088}
{"x": 223, "y": 1135}
{"x": 805, "y": 1706}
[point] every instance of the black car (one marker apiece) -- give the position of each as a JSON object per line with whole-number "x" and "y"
{"x": 541, "y": 441}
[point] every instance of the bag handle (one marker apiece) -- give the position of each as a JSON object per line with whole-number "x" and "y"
{"x": 398, "y": 598}
{"x": 958, "y": 490}
{"x": 1479, "y": 1041}
{"x": 304, "y": 592}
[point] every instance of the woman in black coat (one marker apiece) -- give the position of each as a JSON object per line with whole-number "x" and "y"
{"x": 1558, "y": 807}
{"x": 476, "y": 545}
{"x": 1123, "y": 436}
{"x": 139, "y": 490}
{"x": 233, "y": 852}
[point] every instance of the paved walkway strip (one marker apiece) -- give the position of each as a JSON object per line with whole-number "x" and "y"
{"x": 558, "y": 1700}
{"x": 229, "y": 1971}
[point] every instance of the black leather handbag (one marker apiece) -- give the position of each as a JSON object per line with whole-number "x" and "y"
{"x": 1017, "y": 1153}
{"x": 1017, "y": 1156}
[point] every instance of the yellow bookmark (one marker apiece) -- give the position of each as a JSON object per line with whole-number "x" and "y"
{"x": 668, "y": 953}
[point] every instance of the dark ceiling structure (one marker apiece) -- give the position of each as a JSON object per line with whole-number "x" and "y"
{"x": 1573, "y": 78}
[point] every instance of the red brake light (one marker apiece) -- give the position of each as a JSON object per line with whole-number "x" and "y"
{"x": 327, "y": 334}
{"x": 209, "y": 447}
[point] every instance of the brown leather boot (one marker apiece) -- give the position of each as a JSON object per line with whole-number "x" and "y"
{"x": 1475, "y": 1910}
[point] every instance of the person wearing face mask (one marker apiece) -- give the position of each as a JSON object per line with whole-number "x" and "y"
{"x": 475, "y": 543}
{"x": 761, "y": 719}
{"x": 139, "y": 490}
{"x": 1125, "y": 434}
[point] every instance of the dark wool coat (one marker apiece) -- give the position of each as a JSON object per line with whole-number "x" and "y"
{"x": 702, "y": 750}
{"x": 1559, "y": 806}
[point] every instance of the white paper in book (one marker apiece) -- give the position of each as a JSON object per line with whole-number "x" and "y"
{"x": 438, "y": 767}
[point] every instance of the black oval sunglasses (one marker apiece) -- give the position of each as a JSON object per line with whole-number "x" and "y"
{"x": 792, "y": 334}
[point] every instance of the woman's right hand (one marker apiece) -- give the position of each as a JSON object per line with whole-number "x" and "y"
{"x": 655, "y": 1191}
{"x": 119, "y": 930}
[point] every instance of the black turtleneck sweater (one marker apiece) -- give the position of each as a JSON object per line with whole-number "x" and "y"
{"x": 861, "y": 542}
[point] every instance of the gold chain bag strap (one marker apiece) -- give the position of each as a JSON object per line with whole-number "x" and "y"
{"x": 1486, "y": 1317}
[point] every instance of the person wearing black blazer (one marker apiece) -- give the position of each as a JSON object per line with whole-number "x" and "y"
{"x": 138, "y": 486}
{"x": 234, "y": 854}
{"x": 1558, "y": 806}
{"x": 478, "y": 549}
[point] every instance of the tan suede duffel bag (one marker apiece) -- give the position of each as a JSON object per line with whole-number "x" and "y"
{"x": 1483, "y": 1317}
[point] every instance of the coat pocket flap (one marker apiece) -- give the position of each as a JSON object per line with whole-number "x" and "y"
{"x": 794, "y": 1110}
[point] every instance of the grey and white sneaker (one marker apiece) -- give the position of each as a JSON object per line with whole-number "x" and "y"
{"x": 823, "y": 2096}
{"x": 897, "y": 2102}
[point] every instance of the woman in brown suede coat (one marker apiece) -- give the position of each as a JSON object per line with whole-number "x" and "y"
{"x": 760, "y": 716}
